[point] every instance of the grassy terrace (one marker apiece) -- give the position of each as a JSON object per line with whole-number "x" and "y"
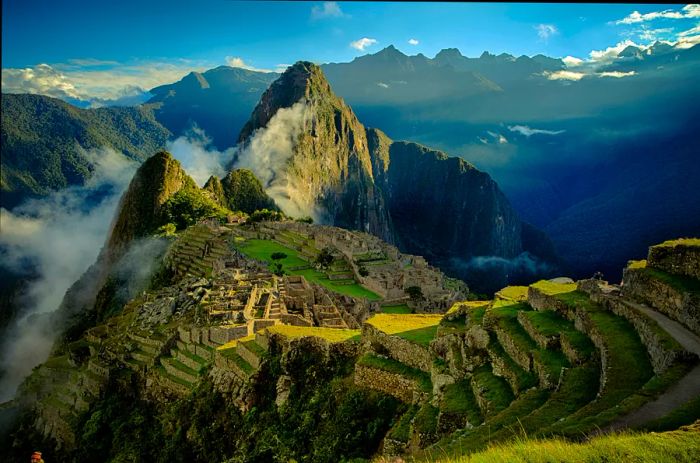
{"x": 513, "y": 293}
{"x": 263, "y": 249}
{"x": 240, "y": 361}
{"x": 525, "y": 380}
{"x": 480, "y": 436}
{"x": 392, "y": 366}
{"x": 550, "y": 288}
{"x": 417, "y": 328}
{"x": 628, "y": 368}
{"x": 234, "y": 343}
{"x": 677, "y": 282}
{"x": 676, "y": 446}
{"x": 495, "y": 389}
{"x": 332, "y": 335}
{"x": 550, "y": 323}
{"x": 402, "y": 429}
{"x": 680, "y": 241}
{"x": 459, "y": 398}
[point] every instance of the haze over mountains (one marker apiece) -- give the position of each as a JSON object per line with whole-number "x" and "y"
{"x": 573, "y": 147}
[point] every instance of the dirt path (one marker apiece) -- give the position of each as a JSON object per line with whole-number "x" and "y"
{"x": 678, "y": 394}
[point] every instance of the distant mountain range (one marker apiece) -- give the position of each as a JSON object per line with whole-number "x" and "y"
{"x": 569, "y": 154}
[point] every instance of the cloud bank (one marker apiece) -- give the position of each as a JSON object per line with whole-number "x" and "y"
{"x": 199, "y": 160}
{"x": 687, "y": 12}
{"x": 60, "y": 236}
{"x": 326, "y": 10}
{"x": 267, "y": 153}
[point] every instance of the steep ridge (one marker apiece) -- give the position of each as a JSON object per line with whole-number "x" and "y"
{"x": 241, "y": 191}
{"x": 360, "y": 179}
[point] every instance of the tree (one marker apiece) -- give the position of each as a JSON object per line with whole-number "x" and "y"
{"x": 325, "y": 257}
{"x": 168, "y": 229}
{"x": 363, "y": 271}
{"x": 277, "y": 269}
{"x": 278, "y": 256}
{"x": 415, "y": 293}
{"x": 307, "y": 219}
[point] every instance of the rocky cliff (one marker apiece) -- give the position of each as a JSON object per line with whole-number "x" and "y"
{"x": 240, "y": 190}
{"x": 344, "y": 174}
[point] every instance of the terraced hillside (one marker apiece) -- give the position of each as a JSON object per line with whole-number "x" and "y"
{"x": 556, "y": 358}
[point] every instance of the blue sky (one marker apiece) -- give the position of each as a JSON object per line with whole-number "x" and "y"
{"x": 166, "y": 39}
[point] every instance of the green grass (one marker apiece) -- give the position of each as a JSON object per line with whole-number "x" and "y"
{"x": 459, "y": 398}
{"x": 332, "y": 335}
{"x": 392, "y": 366}
{"x": 401, "y": 309}
{"x": 496, "y": 390}
{"x": 671, "y": 447}
{"x": 425, "y": 421}
{"x": 548, "y": 323}
{"x": 524, "y": 379}
{"x": 678, "y": 282}
{"x": 255, "y": 348}
{"x": 417, "y": 328}
{"x": 161, "y": 370}
{"x": 402, "y": 429}
{"x": 263, "y": 249}
{"x": 240, "y": 361}
{"x": 637, "y": 264}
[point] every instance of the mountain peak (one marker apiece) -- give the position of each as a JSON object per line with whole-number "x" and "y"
{"x": 303, "y": 80}
{"x": 449, "y": 53}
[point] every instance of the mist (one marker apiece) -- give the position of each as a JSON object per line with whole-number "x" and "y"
{"x": 199, "y": 160}
{"x": 55, "y": 238}
{"x": 267, "y": 153}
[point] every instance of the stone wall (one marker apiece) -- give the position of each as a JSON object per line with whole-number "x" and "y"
{"x": 519, "y": 356}
{"x": 399, "y": 349}
{"x": 684, "y": 307}
{"x": 541, "y": 301}
{"x": 545, "y": 342}
{"x": 663, "y": 350}
{"x": 680, "y": 259}
{"x": 224, "y": 334}
{"x": 405, "y": 389}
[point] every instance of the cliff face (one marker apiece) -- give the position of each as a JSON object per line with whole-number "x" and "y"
{"x": 328, "y": 171}
{"x": 426, "y": 202}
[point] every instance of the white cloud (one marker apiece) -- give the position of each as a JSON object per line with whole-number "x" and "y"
{"x": 498, "y": 138}
{"x": 652, "y": 35}
{"x": 413, "y": 42}
{"x": 529, "y": 131}
{"x": 688, "y": 11}
{"x": 326, "y": 10}
{"x": 609, "y": 54}
{"x": 688, "y": 41}
{"x": 198, "y": 160}
{"x": 693, "y": 31}
{"x": 571, "y": 61}
{"x": 383, "y": 85}
{"x": 237, "y": 62}
{"x": 280, "y": 68}
{"x": 363, "y": 43}
{"x": 96, "y": 82}
{"x": 545, "y": 31}
{"x": 61, "y": 235}
{"x": 565, "y": 75}
{"x": 616, "y": 74}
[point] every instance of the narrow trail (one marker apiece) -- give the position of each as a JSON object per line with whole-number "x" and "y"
{"x": 684, "y": 390}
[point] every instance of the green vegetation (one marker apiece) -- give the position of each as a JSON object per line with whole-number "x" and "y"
{"x": 637, "y": 264}
{"x": 678, "y": 282}
{"x": 550, "y": 288}
{"x": 495, "y": 390}
{"x": 46, "y": 142}
{"x": 458, "y": 398}
{"x": 417, "y": 328}
{"x": 402, "y": 429}
{"x": 266, "y": 215}
{"x": 686, "y": 414}
{"x": 397, "y": 309}
{"x": 392, "y": 366}
{"x": 415, "y": 293}
{"x": 241, "y": 191}
{"x": 670, "y": 447}
{"x": 294, "y": 265}
{"x": 190, "y": 205}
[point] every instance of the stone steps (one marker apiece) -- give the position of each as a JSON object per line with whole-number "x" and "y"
{"x": 251, "y": 352}
{"x": 174, "y": 383}
{"x": 492, "y": 394}
{"x": 190, "y": 360}
{"x": 504, "y": 366}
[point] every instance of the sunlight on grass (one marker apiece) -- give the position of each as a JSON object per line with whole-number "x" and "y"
{"x": 332, "y": 335}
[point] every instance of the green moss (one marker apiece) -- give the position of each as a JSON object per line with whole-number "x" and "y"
{"x": 402, "y": 429}
{"x": 495, "y": 390}
{"x": 680, "y": 283}
{"x": 401, "y": 309}
{"x": 425, "y": 421}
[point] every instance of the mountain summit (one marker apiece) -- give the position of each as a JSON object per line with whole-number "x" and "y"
{"x": 315, "y": 158}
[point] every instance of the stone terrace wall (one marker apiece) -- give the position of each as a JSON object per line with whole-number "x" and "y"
{"x": 681, "y": 306}
{"x": 405, "y": 389}
{"x": 403, "y": 351}
{"x": 680, "y": 259}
